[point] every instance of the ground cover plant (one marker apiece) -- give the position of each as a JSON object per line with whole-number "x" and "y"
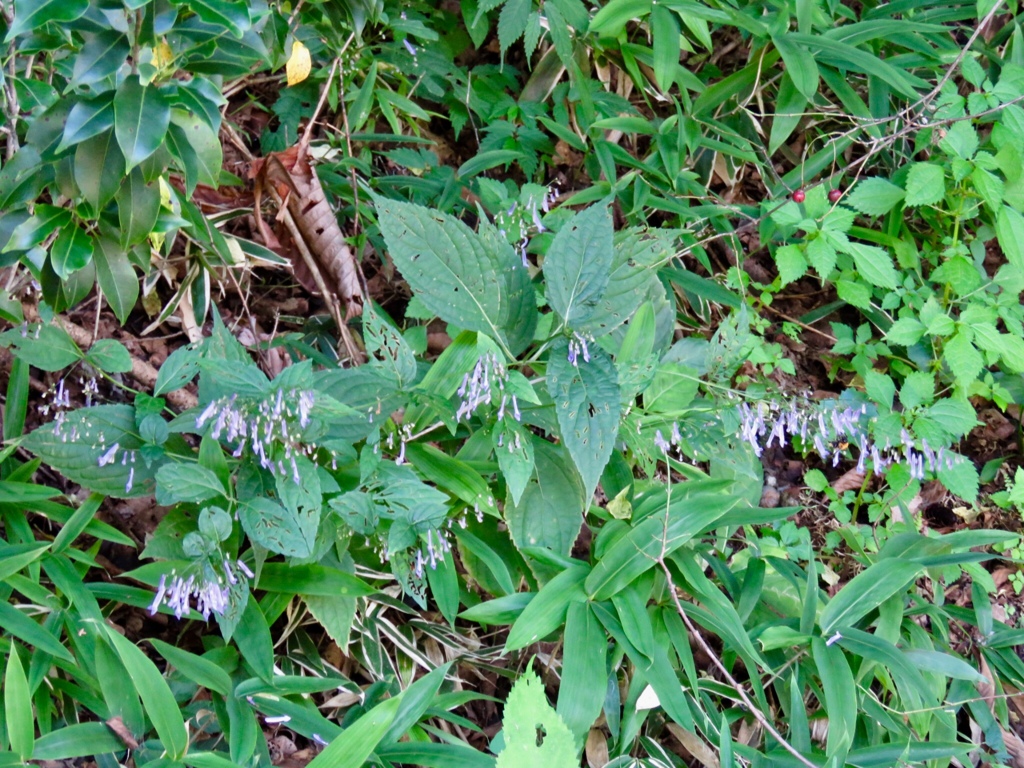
{"x": 501, "y": 383}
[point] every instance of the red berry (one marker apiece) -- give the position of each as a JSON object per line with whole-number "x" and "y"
{"x": 799, "y": 196}
{"x": 835, "y": 195}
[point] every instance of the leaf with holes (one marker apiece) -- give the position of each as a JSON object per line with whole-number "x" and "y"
{"x": 586, "y": 398}
{"x": 578, "y": 264}
{"x": 534, "y": 733}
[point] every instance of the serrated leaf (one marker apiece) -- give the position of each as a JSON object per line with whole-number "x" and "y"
{"x": 141, "y": 116}
{"x": 961, "y": 479}
{"x": 854, "y": 292}
{"x": 918, "y": 389}
{"x": 961, "y": 140}
{"x": 586, "y": 399}
{"x": 791, "y": 263}
{"x": 1010, "y": 233}
{"x": 278, "y": 529}
{"x": 535, "y": 734}
{"x": 1012, "y": 352}
{"x": 956, "y": 416}
{"x": 875, "y": 196}
{"x": 512, "y": 21}
{"x": 926, "y": 184}
{"x": 875, "y": 265}
{"x": 906, "y": 331}
{"x": 963, "y": 358}
{"x": 476, "y": 282}
{"x": 578, "y": 264}
{"x": 822, "y": 256}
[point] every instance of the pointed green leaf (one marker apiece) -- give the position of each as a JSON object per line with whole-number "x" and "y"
{"x": 866, "y": 591}
{"x": 102, "y": 55}
{"x": 578, "y": 264}
{"x": 581, "y": 693}
{"x": 141, "y": 116}
{"x": 357, "y": 741}
{"x": 86, "y": 119}
{"x": 926, "y": 184}
{"x": 875, "y": 196}
{"x": 29, "y": 15}
{"x": 18, "y": 707}
{"x": 116, "y": 278}
{"x": 586, "y": 398}
{"x": 99, "y": 169}
{"x": 71, "y": 251}
{"x": 535, "y": 735}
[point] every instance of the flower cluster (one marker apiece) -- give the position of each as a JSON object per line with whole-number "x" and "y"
{"x": 831, "y": 429}
{"x": 434, "y": 553}
{"x": 212, "y": 592}
{"x": 578, "y": 347}
{"x": 519, "y": 217}
{"x": 109, "y": 456}
{"x": 263, "y": 426}
{"x": 478, "y": 388}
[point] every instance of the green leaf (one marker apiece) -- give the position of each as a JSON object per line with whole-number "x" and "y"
{"x": 99, "y": 169}
{"x": 78, "y": 740}
{"x": 550, "y": 512}
{"x": 944, "y": 664}
{"x": 665, "y": 33}
{"x": 186, "y": 483}
{"x": 358, "y": 740}
{"x": 880, "y": 388}
{"x": 612, "y": 18}
{"x": 514, "y": 449}
{"x": 918, "y": 389}
{"x": 1010, "y": 233}
{"x": 875, "y": 197}
{"x": 141, "y": 116}
{"x": 277, "y": 528}
{"x": 584, "y": 681}
{"x": 586, "y": 398}
{"x": 534, "y": 733}
{"x": 109, "y": 355}
{"x": 201, "y": 671}
{"x": 102, "y": 55}
{"x": 963, "y": 358}
{"x": 866, "y": 591}
{"x": 138, "y": 206}
{"x": 512, "y": 21}
{"x": 223, "y": 13}
{"x": 906, "y": 331}
{"x": 46, "y": 347}
{"x": 335, "y": 614}
{"x": 800, "y": 67}
{"x": 791, "y": 263}
{"x": 36, "y": 228}
{"x": 476, "y": 282}
{"x": 546, "y": 612}
{"x": 88, "y": 118}
{"x": 29, "y": 15}
{"x": 961, "y": 140}
{"x": 840, "y": 697}
{"x": 789, "y": 111}
{"x": 874, "y": 265}
{"x": 822, "y": 256}
{"x": 196, "y": 145}
{"x": 18, "y": 707}
{"x": 116, "y": 278}
{"x": 71, "y": 251}
{"x": 961, "y": 479}
{"x": 25, "y": 629}
{"x": 578, "y": 264}
{"x": 926, "y": 184}
{"x": 155, "y": 694}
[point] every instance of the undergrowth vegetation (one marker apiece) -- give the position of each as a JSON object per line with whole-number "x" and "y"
{"x": 515, "y": 384}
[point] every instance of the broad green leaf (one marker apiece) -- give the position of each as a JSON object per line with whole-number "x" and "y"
{"x": 906, "y": 331}
{"x": 156, "y": 695}
{"x": 280, "y": 530}
{"x": 197, "y": 146}
{"x": 416, "y": 700}
{"x": 550, "y": 512}
{"x": 874, "y": 265}
{"x": 546, "y": 612}
{"x": 791, "y": 263}
{"x": 1010, "y": 232}
{"x": 963, "y": 358}
{"x": 186, "y": 482}
{"x": 29, "y": 15}
{"x": 357, "y": 741}
{"x": 450, "y": 474}
{"x": 875, "y": 196}
{"x": 99, "y": 169}
{"x": 612, "y": 18}
{"x": 18, "y": 707}
{"x": 223, "y": 13}
{"x": 800, "y": 67}
{"x": 116, "y": 278}
{"x": 866, "y": 591}
{"x": 46, "y": 220}
{"x": 475, "y": 281}
{"x": 527, "y": 714}
{"x": 944, "y": 664}
{"x": 961, "y": 140}
{"x": 88, "y": 118}
{"x": 578, "y": 264}
{"x": 926, "y": 184}
{"x": 46, "y": 347}
{"x": 586, "y": 398}
{"x": 961, "y": 479}
{"x": 109, "y": 355}
{"x": 514, "y": 449}
{"x": 102, "y": 55}
{"x": 141, "y": 116}
{"x": 138, "y": 206}
{"x": 312, "y": 580}
{"x": 840, "y": 696}
{"x": 584, "y": 681}
{"x": 71, "y": 251}
{"x": 103, "y": 456}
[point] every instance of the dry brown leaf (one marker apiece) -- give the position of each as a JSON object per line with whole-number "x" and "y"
{"x": 850, "y": 481}
{"x": 596, "y": 748}
{"x": 695, "y": 745}
{"x": 297, "y": 184}
{"x": 116, "y": 724}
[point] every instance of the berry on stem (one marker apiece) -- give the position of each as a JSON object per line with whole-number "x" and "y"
{"x": 799, "y": 196}
{"x": 834, "y": 195}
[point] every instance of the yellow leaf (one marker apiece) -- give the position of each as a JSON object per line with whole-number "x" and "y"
{"x": 163, "y": 56}
{"x": 299, "y": 64}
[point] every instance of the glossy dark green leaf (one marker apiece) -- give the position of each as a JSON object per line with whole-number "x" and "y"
{"x": 86, "y": 119}
{"x": 141, "y": 116}
{"x": 225, "y": 13}
{"x": 71, "y": 251}
{"x": 102, "y": 55}
{"x": 138, "y": 205}
{"x": 29, "y": 15}
{"x": 198, "y": 148}
{"x": 99, "y": 169}
{"x": 46, "y": 220}
{"x": 116, "y": 277}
